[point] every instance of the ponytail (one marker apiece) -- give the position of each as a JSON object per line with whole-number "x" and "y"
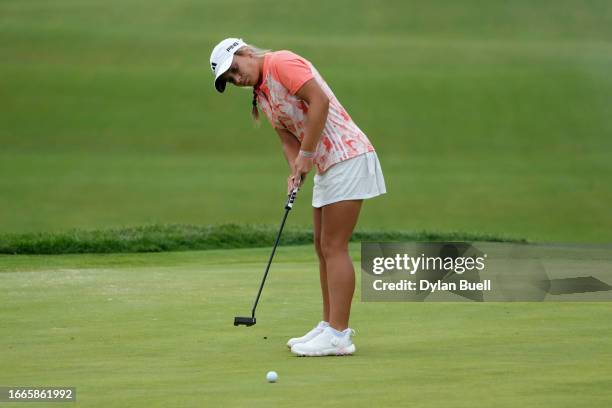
{"x": 254, "y": 110}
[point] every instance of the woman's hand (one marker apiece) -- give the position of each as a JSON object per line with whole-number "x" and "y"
{"x": 301, "y": 167}
{"x": 290, "y": 184}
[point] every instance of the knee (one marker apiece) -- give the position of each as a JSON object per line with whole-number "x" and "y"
{"x": 318, "y": 249}
{"x": 331, "y": 248}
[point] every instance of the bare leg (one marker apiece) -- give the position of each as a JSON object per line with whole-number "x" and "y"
{"x": 316, "y": 217}
{"x": 338, "y": 221}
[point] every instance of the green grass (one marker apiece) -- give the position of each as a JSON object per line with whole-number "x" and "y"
{"x": 487, "y": 116}
{"x": 159, "y": 238}
{"x": 155, "y": 330}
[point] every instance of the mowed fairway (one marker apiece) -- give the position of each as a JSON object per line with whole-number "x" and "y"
{"x": 487, "y": 116}
{"x": 155, "y": 330}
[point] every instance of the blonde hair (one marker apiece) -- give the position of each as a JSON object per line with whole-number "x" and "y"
{"x": 251, "y": 49}
{"x": 256, "y": 52}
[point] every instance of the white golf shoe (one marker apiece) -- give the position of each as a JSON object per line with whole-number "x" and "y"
{"x": 308, "y": 336}
{"x": 327, "y": 344}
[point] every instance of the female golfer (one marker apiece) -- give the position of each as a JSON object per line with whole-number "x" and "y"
{"x": 315, "y": 131}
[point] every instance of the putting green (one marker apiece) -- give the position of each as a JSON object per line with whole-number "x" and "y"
{"x": 155, "y": 330}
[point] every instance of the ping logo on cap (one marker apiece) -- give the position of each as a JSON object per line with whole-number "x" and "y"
{"x": 234, "y": 44}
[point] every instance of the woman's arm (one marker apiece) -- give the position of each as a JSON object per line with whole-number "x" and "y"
{"x": 318, "y": 107}
{"x": 291, "y": 146}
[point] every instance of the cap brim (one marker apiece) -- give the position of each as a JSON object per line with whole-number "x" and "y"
{"x": 220, "y": 85}
{"x": 219, "y": 82}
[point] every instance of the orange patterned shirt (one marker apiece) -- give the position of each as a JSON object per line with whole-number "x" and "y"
{"x": 284, "y": 73}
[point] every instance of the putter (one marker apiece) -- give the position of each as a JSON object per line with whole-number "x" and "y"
{"x": 250, "y": 321}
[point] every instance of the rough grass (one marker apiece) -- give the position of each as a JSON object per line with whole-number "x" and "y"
{"x": 176, "y": 237}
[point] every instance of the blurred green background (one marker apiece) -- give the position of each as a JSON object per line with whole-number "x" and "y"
{"x": 487, "y": 116}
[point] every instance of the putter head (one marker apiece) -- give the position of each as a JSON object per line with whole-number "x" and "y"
{"x": 246, "y": 321}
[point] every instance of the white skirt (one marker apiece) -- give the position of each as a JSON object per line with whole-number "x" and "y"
{"x": 354, "y": 179}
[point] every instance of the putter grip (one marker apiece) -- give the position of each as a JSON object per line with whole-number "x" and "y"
{"x": 291, "y": 199}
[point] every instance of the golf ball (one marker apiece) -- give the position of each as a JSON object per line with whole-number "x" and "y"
{"x": 271, "y": 376}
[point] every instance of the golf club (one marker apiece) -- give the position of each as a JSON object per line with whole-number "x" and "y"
{"x": 250, "y": 321}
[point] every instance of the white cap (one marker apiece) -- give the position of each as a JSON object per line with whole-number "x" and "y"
{"x": 221, "y": 59}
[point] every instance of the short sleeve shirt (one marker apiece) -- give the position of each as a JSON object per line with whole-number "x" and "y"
{"x": 284, "y": 73}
